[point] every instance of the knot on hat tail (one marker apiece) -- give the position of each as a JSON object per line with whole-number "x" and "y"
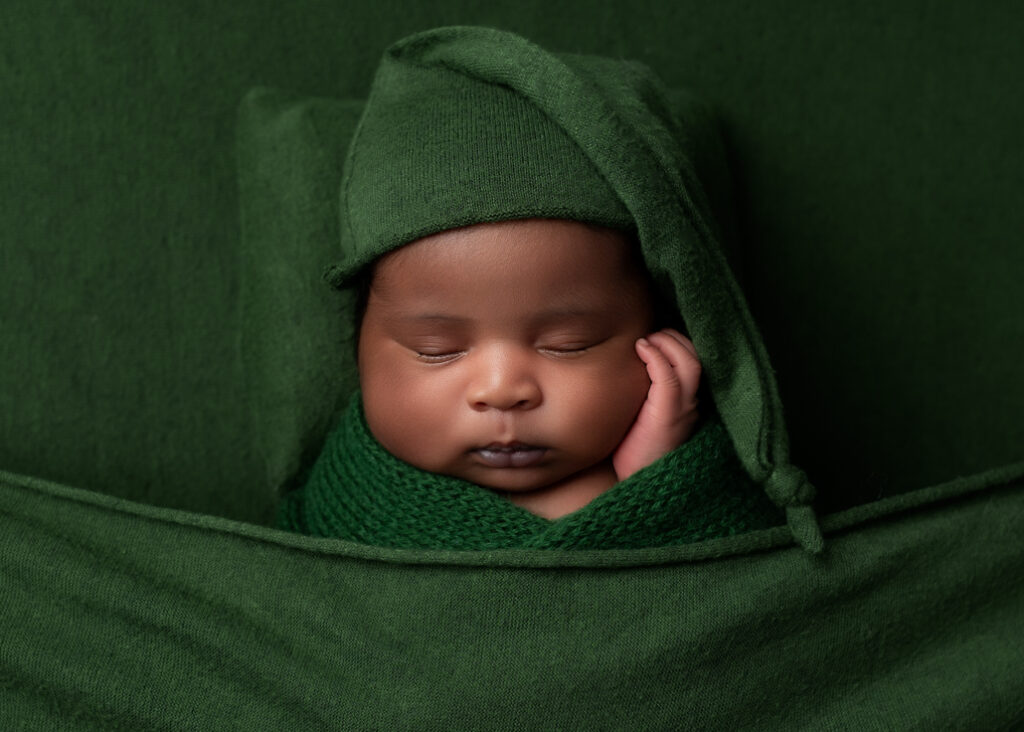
{"x": 789, "y": 487}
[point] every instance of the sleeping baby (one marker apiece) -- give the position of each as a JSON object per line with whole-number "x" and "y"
{"x": 524, "y": 380}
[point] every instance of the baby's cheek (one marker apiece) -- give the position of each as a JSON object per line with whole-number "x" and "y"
{"x": 637, "y": 383}
{"x": 629, "y": 392}
{"x": 405, "y": 427}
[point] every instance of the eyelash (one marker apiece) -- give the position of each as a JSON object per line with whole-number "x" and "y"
{"x": 445, "y": 357}
{"x": 567, "y": 351}
{"x": 438, "y": 357}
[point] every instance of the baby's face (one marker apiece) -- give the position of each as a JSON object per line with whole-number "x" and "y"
{"x": 503, "y": 353}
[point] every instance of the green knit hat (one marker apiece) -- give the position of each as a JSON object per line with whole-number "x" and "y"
{"x": 437, "y": 149}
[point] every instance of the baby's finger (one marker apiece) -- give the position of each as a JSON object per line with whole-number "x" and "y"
{"x": 659, "y": 367}
{"x": 685, "y": 366}
{"x": 687, "y": 343}
{"x": 681, "y": 355}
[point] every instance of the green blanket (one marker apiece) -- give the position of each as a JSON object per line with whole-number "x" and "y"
{"x": 118, "y": 615}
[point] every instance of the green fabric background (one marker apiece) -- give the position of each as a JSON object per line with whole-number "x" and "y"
{"x": 876, "y": 149}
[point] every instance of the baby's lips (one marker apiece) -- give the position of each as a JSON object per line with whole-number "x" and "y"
{"x": 512, "y": 455}
{"x": 513, "y": 445}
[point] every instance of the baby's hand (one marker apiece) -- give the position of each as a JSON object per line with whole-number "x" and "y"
{"x": 666, "y": 420}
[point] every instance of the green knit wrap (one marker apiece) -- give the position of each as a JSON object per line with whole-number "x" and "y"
{"x": 360, "y": 492}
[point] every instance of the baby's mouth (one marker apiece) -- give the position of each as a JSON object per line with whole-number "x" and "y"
{"x": 511, "y": 455}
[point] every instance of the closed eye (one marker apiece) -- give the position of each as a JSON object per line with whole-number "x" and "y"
{"x": 569, "y": 349}
{"x": 438, "y": 357}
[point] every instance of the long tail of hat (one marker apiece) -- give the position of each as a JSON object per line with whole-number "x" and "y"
{"x": 618, "y": 115}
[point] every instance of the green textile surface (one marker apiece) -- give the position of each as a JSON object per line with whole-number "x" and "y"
{"x": 125, "y": 616}
{"x": 357, "y": 491}
{"x": 446, "y": 142}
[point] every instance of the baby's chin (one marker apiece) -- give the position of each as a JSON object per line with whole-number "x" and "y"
{"x": 516, "y": 480}
{"x": 534, "y": 480}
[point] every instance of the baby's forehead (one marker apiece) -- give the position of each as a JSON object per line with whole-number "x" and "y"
{"x": 512, "y": 275}
{"x": 533, "y": 250}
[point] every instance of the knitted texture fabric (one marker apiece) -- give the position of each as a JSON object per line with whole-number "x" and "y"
{"x": 360, "y": 492}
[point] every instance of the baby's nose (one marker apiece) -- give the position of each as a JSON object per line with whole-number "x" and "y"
{"x": 504, "y": 382}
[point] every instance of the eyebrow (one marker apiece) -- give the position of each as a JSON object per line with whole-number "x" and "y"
{"x": 571, "y": 312}
{"x": 428, "y": 317}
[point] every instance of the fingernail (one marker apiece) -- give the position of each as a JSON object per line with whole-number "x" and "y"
{"x": 643, "y": 342}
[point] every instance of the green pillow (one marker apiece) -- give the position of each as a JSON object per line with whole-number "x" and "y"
{"x": 295, "y": 335}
